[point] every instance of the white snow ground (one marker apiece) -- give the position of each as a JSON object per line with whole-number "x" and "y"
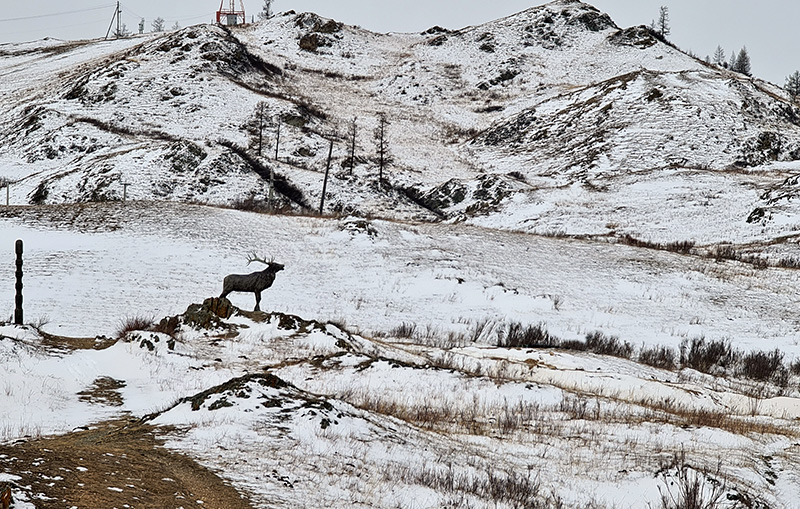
{"x": 583, "y": 428}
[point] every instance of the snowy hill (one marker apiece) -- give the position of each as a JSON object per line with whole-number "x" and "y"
{"x": 557, "y": 96}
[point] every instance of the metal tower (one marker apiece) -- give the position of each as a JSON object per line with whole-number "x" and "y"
{"x": 231, "y": 16}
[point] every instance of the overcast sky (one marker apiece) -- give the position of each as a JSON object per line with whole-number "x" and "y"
{"x": 766, "y": 27}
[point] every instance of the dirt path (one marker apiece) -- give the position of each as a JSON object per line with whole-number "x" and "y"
{"x": 115, "y": 464}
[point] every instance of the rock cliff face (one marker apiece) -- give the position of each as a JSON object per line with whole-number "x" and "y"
{"x": 492, "y": 123}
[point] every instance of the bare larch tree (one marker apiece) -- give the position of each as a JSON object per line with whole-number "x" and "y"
{"x": 382, "y": 145}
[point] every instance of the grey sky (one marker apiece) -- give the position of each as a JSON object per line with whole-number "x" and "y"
{"x": 767, "y": 28}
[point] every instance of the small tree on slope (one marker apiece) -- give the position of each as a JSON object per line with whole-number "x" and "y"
{"x": 793, "y": 85}
{"x": 741, "y": 64}
{"x": 719, "y": 56}
{"x": 661, "y": 25}
{"x": 158, "y": 24}
{"x": 382, "y": 145}
{"x": 266, "y": 11}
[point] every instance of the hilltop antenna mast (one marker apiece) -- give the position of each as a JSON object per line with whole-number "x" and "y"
{"x": 231, "y": 16}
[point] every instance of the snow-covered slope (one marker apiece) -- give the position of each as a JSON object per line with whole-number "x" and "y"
{"x": 575, "y": 109}
{"x": 376, "y": 379}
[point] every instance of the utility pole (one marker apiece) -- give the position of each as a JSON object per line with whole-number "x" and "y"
{"x": 117, "y": 13}
{"x": 325, "y": 181}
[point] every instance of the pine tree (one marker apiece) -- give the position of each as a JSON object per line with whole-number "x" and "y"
{"x": 742, "y": 63}
{"x": 719, "y": 56}
{"x": 255, "y": 127}
{"x": 176, "y": 26}
{"x": 266, "y": 11}
{"x": 793, "y": 85}
{"x": 732, "y": 63}
{"x": 157, "y": 25}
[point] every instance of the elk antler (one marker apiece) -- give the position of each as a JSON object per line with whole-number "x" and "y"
{"x": 253, "y": 258}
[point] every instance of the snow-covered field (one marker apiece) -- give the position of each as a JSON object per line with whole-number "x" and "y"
{"x": 553, "y": 176}
{"x": 425, "y": 418}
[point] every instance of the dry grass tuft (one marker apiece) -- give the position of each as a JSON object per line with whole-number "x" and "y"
{"x": 134, "y": 323}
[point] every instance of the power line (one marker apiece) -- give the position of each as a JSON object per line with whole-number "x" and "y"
{"x": 59, "y": 27}
{"x": 58, "y": 13}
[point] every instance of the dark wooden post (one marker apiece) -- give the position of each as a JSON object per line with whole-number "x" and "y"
{"x": 325, "y": 182}
{"x": 278, "y": 139}
{"x": 18, "y": 300}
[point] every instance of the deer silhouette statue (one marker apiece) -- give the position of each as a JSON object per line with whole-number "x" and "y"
{"x": 256, "y": 282}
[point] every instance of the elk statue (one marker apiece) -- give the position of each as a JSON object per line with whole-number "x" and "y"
{"x": 256, "y": 282}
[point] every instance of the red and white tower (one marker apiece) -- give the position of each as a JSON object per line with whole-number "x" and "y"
{"x": 231, "y": 16}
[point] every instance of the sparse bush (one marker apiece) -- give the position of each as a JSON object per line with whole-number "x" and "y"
{"x": 134, "y": 323}
{"x": 764, "y": 367}
{"x": 250, "y": 204}
{"x": 480, "y": 329}
{"x": 688, "y": 488}
{"x": 502, "y": 488}
{"x": 678, "y": 246}
{"x": 532, "y": 336}
{"x": 599, "y": 343}
{"x": 794, "y": 367}
{"x": 707, "y": 356}
{"x": 725, "y": 252}
{"x": 404, "y": 330}
{"x": 573, "y": 344}
{"x": 658, "y": 356}
{"x": 577, "y": 407}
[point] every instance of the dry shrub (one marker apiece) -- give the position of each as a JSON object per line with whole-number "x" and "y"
{"x": 659, "y": 357}
{"x": 764, "y": 367}
{"x": 713, "y": 357}
{"x": 688, "y": 488}
{"x": 599, "y": 343}
{"x": 404, "y": 330}
{"x": 532, "y": 336}
{"x": 134, "y": 323}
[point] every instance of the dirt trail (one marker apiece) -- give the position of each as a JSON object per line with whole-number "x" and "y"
{"x": 114, "y": 464}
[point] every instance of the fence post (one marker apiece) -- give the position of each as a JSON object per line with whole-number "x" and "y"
{"x": 325, "y": 182}
{"x": 18, "y": 299}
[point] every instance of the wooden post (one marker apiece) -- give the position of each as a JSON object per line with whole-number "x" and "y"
{"x": 278, "y": 140}
{"x": 125, "y": 191}
{"x": 325, "y": 182}
{"x": 8, "y": 191}
{"x": 271, "y": 189}
{"x": 18, "y": 299}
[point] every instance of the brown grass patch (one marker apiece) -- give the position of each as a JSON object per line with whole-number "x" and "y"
{"x": 116, "y": 464}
